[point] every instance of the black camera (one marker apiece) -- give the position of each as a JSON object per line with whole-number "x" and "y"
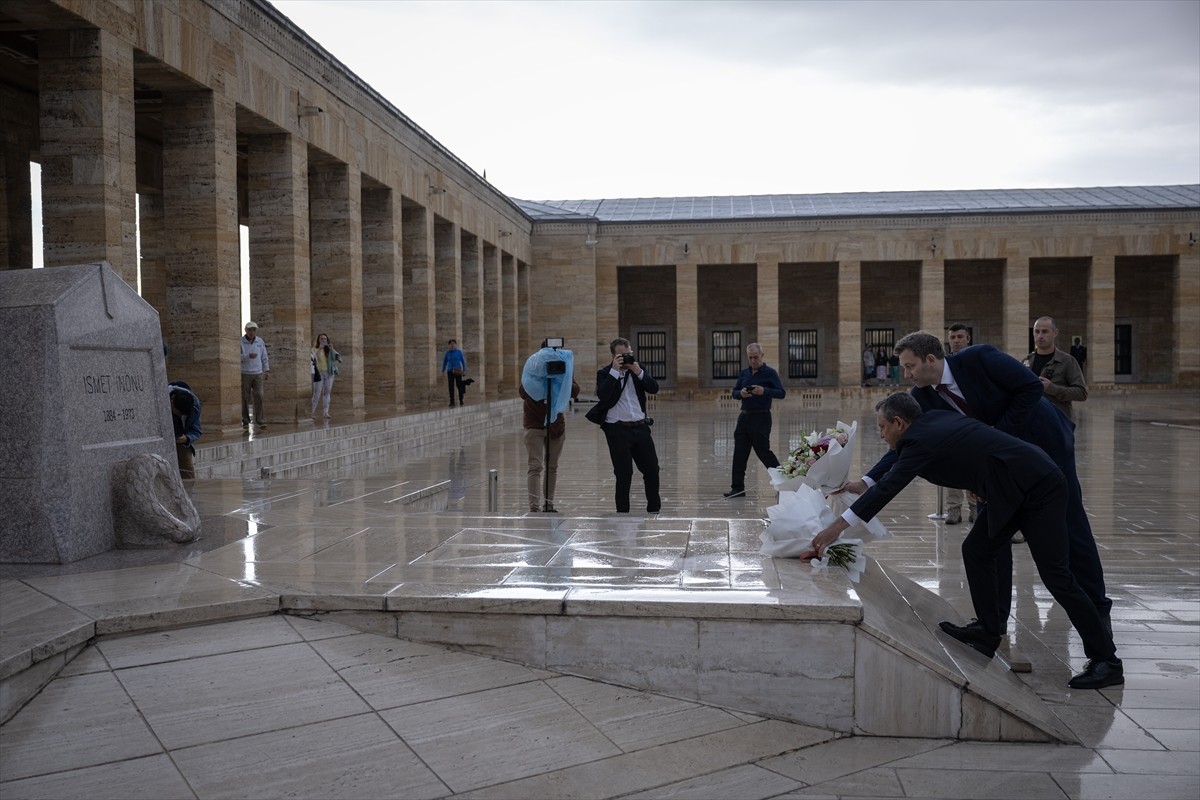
{"x": 628, "y": 358}
{"x": 556, "y": 368}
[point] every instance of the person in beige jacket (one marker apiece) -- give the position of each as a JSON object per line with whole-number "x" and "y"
{"x": 1062, "y": 377}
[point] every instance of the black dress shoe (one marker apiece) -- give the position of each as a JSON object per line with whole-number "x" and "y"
{"x": 736, "y": 493}
{"x": 1098, "y": 674}
{"x": 974, "y": 635}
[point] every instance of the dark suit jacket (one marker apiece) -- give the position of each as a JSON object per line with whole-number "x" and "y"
{"x": 948, "y": 449}
{"x": 1004, "y": 393}
{"x": 608, "y": 392}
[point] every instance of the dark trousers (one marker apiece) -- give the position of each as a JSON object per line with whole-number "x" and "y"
{"x": 1041, "y": 518}
{"x": 753, "y": 432}
{"x": 454, "y": 381}
{"x": 1084, "y": 557}
{"x": 628, "y": 446}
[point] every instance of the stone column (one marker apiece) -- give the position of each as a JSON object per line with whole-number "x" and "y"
{"x": 1101, "y": 321}
{"x": 513, "y": 362}
{"x": 933, "y": 296}
{"x": 1187, "y": 324}
{"x": 472, "y": 340}
{"x": 850, "y": 329}
{"x": 768, "y": 315}
{"x": 383, "y": 299}
{"x": 1016, "y": 306}
{"x": 687, "y": 354}
{"x": 608, "y": 317}
{"x": 448, "y": 280}
{"x": 493, "y": 317}
{"x": 334, "y": 198}
{"x": 524, "y": 316}
{"x": 423, "y": 355}
{"x": 201, "y": 249}
{"x": 88, "y": 155}
{"x": 277, "y": 218}
{"x": 154, "y": 262}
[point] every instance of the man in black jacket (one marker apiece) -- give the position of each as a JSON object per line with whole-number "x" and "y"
{"x": 756, "y": 386}
{"x": 621, "y": 389}
{"x": 1023, "y": 490}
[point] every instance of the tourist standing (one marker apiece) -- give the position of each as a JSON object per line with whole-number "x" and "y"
{"x": 324, "y": 361}
{"x": 256, "y": 369}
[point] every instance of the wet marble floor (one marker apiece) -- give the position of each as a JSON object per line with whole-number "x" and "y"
{"x": 273, "y": 706}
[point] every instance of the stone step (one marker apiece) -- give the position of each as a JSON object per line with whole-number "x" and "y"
{"x": 307, "y": 453}
{"x": 914, "y": 680}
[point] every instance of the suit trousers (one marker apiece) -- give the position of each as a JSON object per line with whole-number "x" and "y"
{"x": 753, "y": 432}
{"x": 1041, "y": 518}
{"x": 628, "y": 446}
{"x": 1084, "y": 557}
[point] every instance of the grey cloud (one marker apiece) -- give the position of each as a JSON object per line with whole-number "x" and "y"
{"x": 1073, "y": 47}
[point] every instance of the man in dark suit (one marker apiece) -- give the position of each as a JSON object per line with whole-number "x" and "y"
{"x": 1023, "y": 489}
{"x": 621, "y": 389}
{"x": 996, "y": 389}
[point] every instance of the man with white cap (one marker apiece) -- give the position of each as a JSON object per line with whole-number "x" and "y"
{"x": 256, "y": 368}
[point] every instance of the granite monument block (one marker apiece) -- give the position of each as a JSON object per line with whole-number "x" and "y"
{"x": 85, "y": 390}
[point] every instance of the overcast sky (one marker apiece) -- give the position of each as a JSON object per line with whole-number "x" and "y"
{"x": 572, "y": 100}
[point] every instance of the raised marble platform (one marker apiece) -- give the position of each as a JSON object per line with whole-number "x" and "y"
{"x": 778, "y": 640}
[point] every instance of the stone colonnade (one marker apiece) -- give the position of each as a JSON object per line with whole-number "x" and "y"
{"x": 813, "y": 291}
{"x": 198, "y": 118}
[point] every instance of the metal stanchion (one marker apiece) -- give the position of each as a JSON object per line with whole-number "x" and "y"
{"x": 941, "y": 512}
{"x": 493, "y": 489}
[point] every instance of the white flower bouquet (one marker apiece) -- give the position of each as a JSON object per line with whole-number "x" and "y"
{"x": 822, "y": 461}
{"x": 794, "y": 521}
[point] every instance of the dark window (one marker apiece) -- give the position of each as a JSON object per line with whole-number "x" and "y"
{"x": 1123, "y": 350}
{"x": 802, "y": 354}
{"x": 726, "y": 354}
{"x": 876, "y": 338}
{"x": 651, "y": 351}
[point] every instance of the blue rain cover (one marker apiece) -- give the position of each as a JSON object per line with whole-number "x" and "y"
{"x": 533, "y": 379}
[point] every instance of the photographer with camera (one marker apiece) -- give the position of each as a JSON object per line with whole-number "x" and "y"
{"x": 544, "y": 384}
{"x": 620, "y": 411}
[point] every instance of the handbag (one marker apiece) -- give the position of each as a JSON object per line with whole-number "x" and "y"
{"x": 316, "y": 372}
{"x": 456, "y": 371}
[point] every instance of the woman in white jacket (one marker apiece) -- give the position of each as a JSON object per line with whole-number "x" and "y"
{"x": 325, "y": 362}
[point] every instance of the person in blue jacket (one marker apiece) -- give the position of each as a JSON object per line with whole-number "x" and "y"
{"x": 756, "y": 386}
{"x": 185, "y": 414}
{"x": 454, "y": 364}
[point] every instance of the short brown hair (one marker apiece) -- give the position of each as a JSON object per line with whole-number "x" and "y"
{"x": 921, "y": 344}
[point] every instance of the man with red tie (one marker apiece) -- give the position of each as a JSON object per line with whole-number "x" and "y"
{"x": 983, "y": 383}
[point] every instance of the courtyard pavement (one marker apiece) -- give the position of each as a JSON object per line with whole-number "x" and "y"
{"x": 307, "y": 707}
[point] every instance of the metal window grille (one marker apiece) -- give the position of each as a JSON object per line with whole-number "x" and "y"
{"x": 726, "y": 354}
{"x": 1123, "y": 350}
{"x": 876, "y": 338}
{"x": 802, "y": 353}
{"x": 652, "y": 353}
